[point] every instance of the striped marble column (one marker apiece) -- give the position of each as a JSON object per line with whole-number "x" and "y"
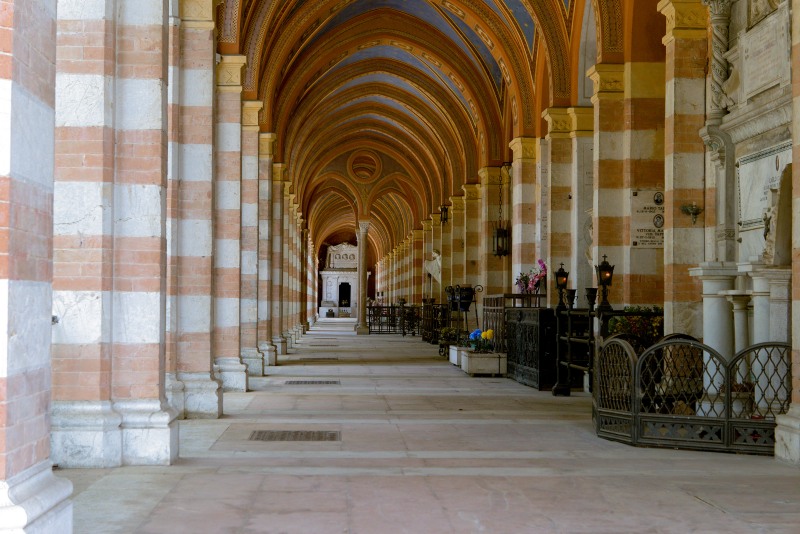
{"x": 541, "y": 239}
{"x": 85, "y": 429}
{"x": 286, "y": 272}
{"x": 472, "y": 234}
{"x": 417, "y": 268}
{"x": 457, "y": 235}
{"x": 278, "y": 339}
{"x": 643, "y": 172}
{"x": 686, "y": 42}
{"x": 447, "y": 253}
{"x": 31, "y": 498}
{"x": 265, "y": 228}
{"x": 192, "y": 227}
{"x": 427, "y": 253}
{"x": 248, "y": 305}
{"x": 787, "y": 432}
{"x": 494, "y": 268}
{"x": 227, "y": 224}
{"x": 559, "y": 206}
{"x": 523, "y": 204}
{"x": 363, "y": 247}
{"x": 608, "y": 212}
{"x": 149, "y": 432}
{"x": 581, "y": 273}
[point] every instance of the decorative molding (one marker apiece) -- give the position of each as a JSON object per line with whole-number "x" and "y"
{"x": 685, "y": 19}
{"x": 250, "y": 109}
{"x": 608, "y": 80}
{"x": 198, "y": 11}
{"x": 458, "y": 203}
{"x": 582, "y": 121}
{"x": 559, "y": 123}
{"x": 758, "y": 118}
{"x": 266, "y": 144}
{"x": 524, "y": 148}
{"x": 363, "y": 226}
{"x": 471, "y": 191}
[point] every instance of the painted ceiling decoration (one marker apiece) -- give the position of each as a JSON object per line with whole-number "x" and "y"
{"x": 384, "y": 109}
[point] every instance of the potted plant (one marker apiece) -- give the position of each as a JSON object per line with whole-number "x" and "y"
{"x": 447, "y": 336}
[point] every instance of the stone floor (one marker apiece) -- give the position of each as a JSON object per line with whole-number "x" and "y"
{"x": 423, "y": 448}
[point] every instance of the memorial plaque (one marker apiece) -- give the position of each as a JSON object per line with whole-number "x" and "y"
{"x": 647, "y": 218}
{"x": 766, "y": 53}
{"x": 755, "y": 175}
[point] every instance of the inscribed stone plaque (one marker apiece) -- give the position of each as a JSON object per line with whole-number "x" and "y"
{"x": 755, "y": 175}
{"x": 766, "y": 53}
{"x": 647, "y": 218}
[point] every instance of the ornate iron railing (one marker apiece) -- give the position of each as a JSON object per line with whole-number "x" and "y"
{"x": 683, "y": 394}
{"x": 494, "y": 313}
{"x": 394, "y": 319}
{"x": 434, "y": 318}
{"x": 530, "y": 336}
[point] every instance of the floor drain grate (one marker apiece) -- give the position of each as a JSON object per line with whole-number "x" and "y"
{"x": 311, "y": 382}
{"x": 295, "y": 435}
{"x": 321, "y": 345}
{"x": 323, "y": 358}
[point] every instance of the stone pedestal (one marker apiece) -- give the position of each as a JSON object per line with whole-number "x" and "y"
{"x": 175, "y": 391}
{"x": 149, "y": 432}
{"x": 202, "y": 396}
{"x": 254, "y": 360}
{"x": 232, "y": 372}
{"x": 85, "y": 434}
{"x": 36, "y": 501}
{"x": 787, "y": 436}
{"x": 740, "y": 301}
{"x": 491, "y": 363}
{"x": 270, "y": 353}
{"x": 280, "y": 344}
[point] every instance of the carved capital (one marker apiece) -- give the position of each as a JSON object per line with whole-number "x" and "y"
{"x": 278, "y": 172}
{"x": 471, "y": 191}
{"x": 719, "y": 8}
{"x": 686, "y": 19}
{"x": 558, "y": 123}
{"x": 266, "y": 144}
{"x": 427, "y": 225}
{"x": 418, "y": 235}
{"x": 581, "y": 121}
{"x": 458, "y": 203}
{"x": 363, "y": 226}
{"x": 250, "y": 109}
{"x": 608, "y": 80}
{"x": 229, "y": 71}
{"x": 199, "y": 13}
{"x": 524, "y": 148}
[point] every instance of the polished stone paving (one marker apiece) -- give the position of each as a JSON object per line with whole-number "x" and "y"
{"x": 424, "y": 449}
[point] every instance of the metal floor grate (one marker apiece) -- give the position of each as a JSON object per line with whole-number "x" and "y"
{"x": 295, "y": 435}
{"x": 311, "y": 358}
{"x": 311, "y": 382}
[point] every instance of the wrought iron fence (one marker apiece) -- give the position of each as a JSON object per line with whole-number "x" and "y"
{"x": 434, "y": 318}
{"x": 494, "y": 313}
{"x": 394, "y": 319}
{"x": 680, "y": 393}
{"x": 530, "y": 335}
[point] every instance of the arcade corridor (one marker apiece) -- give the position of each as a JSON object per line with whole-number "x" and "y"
{"x": 423, "y": 449}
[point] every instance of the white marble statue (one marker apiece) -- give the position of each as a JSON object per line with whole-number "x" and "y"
{"x": 434, "y": 266}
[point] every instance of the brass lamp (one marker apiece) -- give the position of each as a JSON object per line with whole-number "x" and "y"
{"x": 605, "y": 273}
{"x": 561, "y": 285}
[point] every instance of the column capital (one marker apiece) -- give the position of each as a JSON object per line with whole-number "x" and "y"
{"x": 427, "y": 224}
{"x": 229, "y": 72}
{"x": 198, "y": 13}
{"x": 686, "y": 19}
{"x": 418, "y": 235}
{"x": 278, "y": 172}
{"x": 363, "y": 226}
{"x": 250, "y": 109}
{"x": 266, "y": 144}
{"x": 436, "y": 219}
{"x": 458, "y": 203}
{"x": 608, "y": 80}
{"x": 524, "y": 148}
{"x": 490, "y": 176}
{"x": 558, "y": 123}
{"x": 581, "y": 121}
{"x": 471, "y": 191}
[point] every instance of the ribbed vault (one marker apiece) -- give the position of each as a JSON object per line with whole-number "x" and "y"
{"x": 384, "y": 109}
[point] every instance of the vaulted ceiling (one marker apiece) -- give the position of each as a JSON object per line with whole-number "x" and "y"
{"x": 383, "y": 109}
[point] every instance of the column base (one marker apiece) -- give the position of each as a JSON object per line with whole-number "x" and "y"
{"x": 85, "y": 434}
{"x": 202, "y": 396}
{"x": 232, "y": 372}
{"x": 270, "y": 353}
{"x": 175, "y": 391}
{"x": 287, "y": 335}
{"x": 36, "y": 502}
{"x": 362, "y": 330}
{"x": 149, "y": 432}
{"x": 280, "y": 345}
{"x": 254, "y": 360}
{"x": 787, "y": 436}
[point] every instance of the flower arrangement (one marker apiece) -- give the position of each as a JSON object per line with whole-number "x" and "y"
{"x": 448, "y": 335}
{"x": 482, "y": 341}
{"x": 529, "y": 282}
{"x": 649, "y": 328}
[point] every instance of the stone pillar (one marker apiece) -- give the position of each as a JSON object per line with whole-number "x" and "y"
{"x": 361, "y": 327}
{"x": 436, "y": 232}
{"x": 787, "y": 433}
{"x": 265, "y": 228}
{"x": 717, "y": 278}
{"x": 472, "y": 234}
{"x": 523, "y": 205}
{"x": 494, "y": 268}
{"x": 193, "y": 153}
{"x": 560, "y": 194}
{"x": 417, "y": 269}
{"x": 458, "y": 247}
{"x": 248, "y": 305}
{"x": 286, "y": 276}
{"x": 580, "y": 267}
{"x": 447, "y": 253}
{"x": 780, "y": 290}
{"x": 31, "y": 498}
{"x": 304, "y": 278}
{"x": 427, "y": 253}
{"x": 741, "y": 333}
{"x": 608, "y": 222}
{"x": 227, "y": 224}
{"x": 278, "y": 340}
{"x": 686, "y": 42}
{"x": 85, "y": 429}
